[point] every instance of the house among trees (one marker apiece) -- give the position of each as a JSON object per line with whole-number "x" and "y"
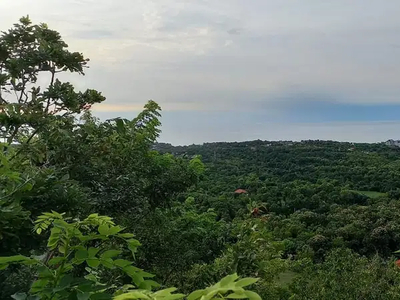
{"x": 393, "y": 143}
{"x": 240, "y": 191}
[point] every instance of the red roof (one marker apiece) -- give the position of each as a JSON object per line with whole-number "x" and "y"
{"x": 398, "y": 263}
{"x": 240, "y": 191}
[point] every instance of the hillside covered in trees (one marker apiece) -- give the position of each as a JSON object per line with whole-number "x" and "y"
{"x": 93, "y": 209}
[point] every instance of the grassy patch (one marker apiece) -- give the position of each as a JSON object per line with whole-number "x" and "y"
{"x": 286, "y": 278}
{"x": 370, "y": 194}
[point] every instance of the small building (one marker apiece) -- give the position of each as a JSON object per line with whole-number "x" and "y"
{"x": 240, "y": 191}
{"x": 395, "y": 143}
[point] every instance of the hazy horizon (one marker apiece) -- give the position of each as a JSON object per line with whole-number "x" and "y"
{"x": 237, "y": 70}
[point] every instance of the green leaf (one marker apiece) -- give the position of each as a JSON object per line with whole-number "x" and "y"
{"x": 12, "y": 259}
{"x": 45, "y": 272}
{"x": 104, "y": 229}
{"x": 210, "y": 295}
{"x": 114, "y": 230}
{"x": 3, "y": 267}
{"x": 126, "y": 235}
{"x": 132, "y": 295}
{"x": 93, "y": 262}
{"x": 100, "y": 296}
{"x": 52, "y": 242}
{"x": 92, "y": 216}
{"x": 122, "y": 263}
{"x": 107, "y": 262}
{"x": 150, "y": 284}
{"x": 133, "y": 245}
{"x": 252, "y": 295}
{"x": 174, "y": 296}
{"x": 110, "y": 254}
{"x": 120, "y": 125}
{"x": 65, "y": 177}
{"x": 131, "y": 270}
{"x": 196, "y": 295}
{"x": 237, "y": 296}
{"x": 30, "y": 262}
{"x": 137, "y": 279}
{"x": 245, "y": 282}
{"x": 83, "y": 296}
{"x": 55, "y": 260}
{"x": 39, "y": 285}
{"x": 165, "y": 292}
{"x": 93, "y": 251}
{"x": 91, "y": 277}
{"x": 61, "y": 249}
{"x": 228, "y": 279}
{"x": 19, "y": 296}
{"x": 81, "y": 254}
{"x": 145, "y": 274}
{"x": 66, "y": 280}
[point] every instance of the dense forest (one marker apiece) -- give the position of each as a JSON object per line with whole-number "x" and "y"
{"x": 93, "y": 209}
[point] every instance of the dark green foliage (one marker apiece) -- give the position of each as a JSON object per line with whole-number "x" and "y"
{"x": 182, "y": 238}
{"x": 346, "y": 275}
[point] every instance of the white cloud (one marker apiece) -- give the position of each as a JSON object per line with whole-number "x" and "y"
{"x": 228, "y": 53}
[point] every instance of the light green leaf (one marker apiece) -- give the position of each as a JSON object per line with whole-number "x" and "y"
{"x": 126, "y": 235}
{"x": 137, "y": 279}
{"x": 196, "y": 295}
{"x": 174, "y": 296}
{"x": 104, "y": 229}
{"x": 132, "y": 295}
{"x": 252, "y": 295}
{"x": 210, "y": 295}
{"x": 133, "y": 245}
{"x": 115, "y": 229}
{"x": 145, "y": 274}
{"x": 246, "y": 281}
{"x": 165, "y": 292}
{"x": 228, "y": 279}
{"x": 149, "y": 285}
{"x": 237, "y": 296}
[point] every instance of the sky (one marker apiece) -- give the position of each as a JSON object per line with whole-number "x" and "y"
{"x": 236, "y": 70}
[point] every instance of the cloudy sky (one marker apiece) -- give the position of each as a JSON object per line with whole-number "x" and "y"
{"x": 226, "y": 70}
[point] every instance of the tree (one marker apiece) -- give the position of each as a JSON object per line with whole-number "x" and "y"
{"x": 30, "y": 55}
